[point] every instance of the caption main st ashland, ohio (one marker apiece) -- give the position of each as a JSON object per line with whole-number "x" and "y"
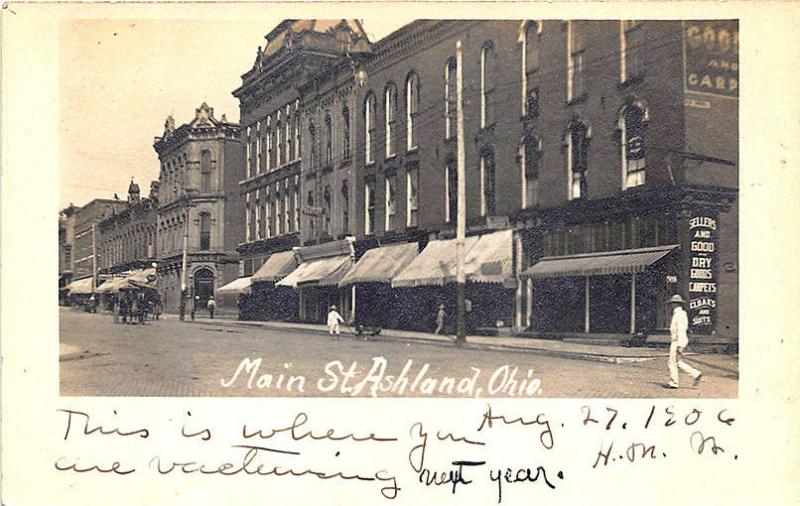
{"x": 601, "y": 173}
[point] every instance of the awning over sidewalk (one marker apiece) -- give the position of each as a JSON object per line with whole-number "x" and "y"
{"x": 320, "y": 272}
{"x": 381, "y": 265}
{"x": 143, "y": 278}
{"x": 81, "y": 286}
{"x": 113, "y": 285}
{"x": 240, "y": 285}
{"x": 277, "y": 267}
{"x": 491, "y": 259}
{"x": 436, "y": 265}
{"x": 598, "y": 264}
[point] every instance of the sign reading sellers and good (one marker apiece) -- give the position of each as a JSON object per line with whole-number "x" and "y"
{"x": 711, "y": 57}
{"x": 702, "y": 272}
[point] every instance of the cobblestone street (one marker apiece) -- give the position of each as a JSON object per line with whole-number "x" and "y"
{"x": 172, "y": 358}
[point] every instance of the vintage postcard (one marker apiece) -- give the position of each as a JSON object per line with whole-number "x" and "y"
{"x": 365, "y": 253}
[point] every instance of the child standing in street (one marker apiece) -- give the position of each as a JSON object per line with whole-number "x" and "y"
{"x": 334, "y": 319}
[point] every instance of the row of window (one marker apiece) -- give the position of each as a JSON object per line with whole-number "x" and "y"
{"x": 174, "y": 176}
{"x": 270, "y": 215}
{"x": 276, "y": 141}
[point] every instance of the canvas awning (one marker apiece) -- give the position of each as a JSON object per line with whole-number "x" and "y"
{"x": 277, "y": 267}
{"x": 240, "y": 285}
{"x": 381, "y": 265}
{"x": 320, "y": 272}
{"x": 436, "y": 265}
{"x": 598, "y": 264}
{"x": 113, "y": 285}
{"x": 491, "y": 259}
{"x": 81, "y": 286}
{"x": 143, "y": 278}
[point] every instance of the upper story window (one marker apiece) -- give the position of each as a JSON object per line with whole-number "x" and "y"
{"x": 577, "y": 145}
{"x": 280, "y": 152}
{"x": 312, "y": 146}
{"x": 287, "y": 210}
{"x": 206, "y": 174}
{"x": 268, "y": 145}
{"x": 205, "y": 231}
{"x": 311, "y": 219}
{"x": 369, "y": 127}
{"x": 633, "y": 129}
{"x": 297, "y": 137}
{"x": 530, "y": 67}
{"x": 630, "y": 40}
{"x": 267, "y": 212}
{"x": 451, "y": 192}
{"x": 488, "y": 207}
{"x": 248, "y": 155}
{"x": 369, "y": 204}
{"x": 345, "y": 208}
{"x": 328, "y": 140}
{"x": 450, "y": 99}
{"x": 345, "y": 133}
{"x": 390, "y": 117}
{"x": 531, "y": 154}
{"x": 258, "y": 216}
{"x": 488, "y": 72}
{"x": 259, "y": 166}
{"x": 296, "y": 200}
{"x": 412, "y": 199}
{"x": 391, "y": 202}
{"x": 273, "y": 147}
{"x": 277, "y": 203}
{"x": 287, "y": 136}
{"x": 576, "y": 54}
{"x": 412, "y": 108}
{"x": 247, "y": 232}
{"x": 327, "y": 210}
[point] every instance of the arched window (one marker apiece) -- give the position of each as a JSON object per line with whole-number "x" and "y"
{"x": 345, "y": 133}
{"x": 487, "y": 184}
{"x": 450, "y": 98}
{"x": 259, "y": 166}
{"x": 390, "y": 117}
{"x": 412, "y": 198}
{"x": 205, "y": 171}
{"x": 345, "y": 208}
{"x": 248, "y": 155}
{"x": 258, "y": 216}
{"x": 369, "y": 127}
{"x": 205, "y": 231}
{"x": 280, "y": 152}
{"x": 369, "y": 204}
{"x": 487, "y": 84}
{"x": 287, "y": 136}
{"x": 268, "y": 138}
{"x": 328, "y": 140}
{"x": 530, "y": 155}
{"x": 577, "y": 145}
{"x": 633, "y": 128}
{"x": 530, "y": 67}
{"x": 451, "y": 192}
{"x": 265, "y": 209}
{"x": 412, "y": 108}
{"x": 312, "y": 146}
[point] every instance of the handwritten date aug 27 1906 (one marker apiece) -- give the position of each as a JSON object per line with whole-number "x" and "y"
{"x": 435, "y": 458}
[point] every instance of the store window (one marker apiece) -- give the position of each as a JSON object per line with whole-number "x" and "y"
{"x": 412, "y": 199}
{"x": 576, "y": 60}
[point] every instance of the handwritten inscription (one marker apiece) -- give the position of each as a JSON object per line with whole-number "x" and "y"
{"x": 438, "y": 458}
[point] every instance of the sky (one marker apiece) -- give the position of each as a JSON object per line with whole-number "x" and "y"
{"x": 119, "y": 79}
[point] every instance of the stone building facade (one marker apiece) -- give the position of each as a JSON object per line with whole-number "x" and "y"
{"x": 199, "y": 201}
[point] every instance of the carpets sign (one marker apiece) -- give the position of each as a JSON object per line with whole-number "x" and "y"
{"x": 711, "y": 57}
{"x": 702, "y": 272}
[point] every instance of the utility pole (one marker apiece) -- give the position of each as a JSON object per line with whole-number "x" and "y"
{"x": 461, "y": 334}
{"x": 94, "y": 256}
{"x": 184, "y": 260}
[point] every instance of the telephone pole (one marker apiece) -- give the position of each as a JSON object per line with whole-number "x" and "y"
{"x": 461, "y": 334}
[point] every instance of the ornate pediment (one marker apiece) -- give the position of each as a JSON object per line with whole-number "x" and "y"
{"x": 204, "y": 117}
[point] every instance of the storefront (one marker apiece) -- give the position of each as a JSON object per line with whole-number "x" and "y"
{"x": 267, "y": 301}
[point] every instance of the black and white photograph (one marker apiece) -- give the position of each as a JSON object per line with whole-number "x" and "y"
{"x": 386, "y": 208}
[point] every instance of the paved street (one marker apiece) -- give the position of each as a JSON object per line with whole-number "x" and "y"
{"x": 172, "y": 358}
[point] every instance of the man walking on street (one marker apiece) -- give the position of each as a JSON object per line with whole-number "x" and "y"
{"x": 440, "y": 316}
{"x": 212, "y": 305}
{"x": 334, "y": 318}
{"x": 679, "y": 340}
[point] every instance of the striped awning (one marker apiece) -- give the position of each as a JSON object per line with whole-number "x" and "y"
{"x": 277, "y": 267}
{"x": 113, "y": 285}
{"x": 381, "y": 265}
{"x": 598, "y": 264}
{"x": 320, "y": 272}
{"x": 240, "y": 285}
{"x": 490, "y": 260}
{"x": 81, "y": 286}
{"x": 143, "y": 278}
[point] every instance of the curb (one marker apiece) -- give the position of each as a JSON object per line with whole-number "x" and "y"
{"x": 573, "y": 355}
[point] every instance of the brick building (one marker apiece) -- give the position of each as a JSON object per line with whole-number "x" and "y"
{"x": 127, "y": 239}
{"x": 199, "y": 200}
{"x": 85, "y": 255}
{"x": 601, "y": 169}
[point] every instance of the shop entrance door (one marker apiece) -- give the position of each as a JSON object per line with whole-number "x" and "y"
{"x": 203, "y": 287}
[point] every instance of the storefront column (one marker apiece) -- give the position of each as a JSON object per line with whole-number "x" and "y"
{"x": 528, "y": 302}
{"x": 633, "y": 303}
{"x": 586, "y": 306}
{"x": 518, "y": 257}
{"x": 353, "y": 303}
{"x": 302, "y": 308}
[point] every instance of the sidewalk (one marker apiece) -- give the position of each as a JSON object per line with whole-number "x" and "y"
{"x": 547, "y": 347}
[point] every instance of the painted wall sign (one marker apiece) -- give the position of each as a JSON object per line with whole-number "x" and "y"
{"x": 711, "y": 57}
{"x": 702, "y": 272}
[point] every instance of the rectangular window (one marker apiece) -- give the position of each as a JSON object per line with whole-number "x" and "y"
{"x": 248, "y": 155}
{"x": 487, "y": 185}
{"x": 412, "y": 199}
{"x": 286, "y": 211}
{"x": 345, "y": 209}
{"x": 205, "y": 231}
{"x": 287, "y": 135}
{"x": 268, "y": 217}
{"x": 296, "y": 208}
{"x": 247, "y": 232}
{"x": 259, "y": 167}
{"x": 629, "y": 49}
{"x": 369, "y": 203}
{"x": 391, "y": 202}
{"x": 451, "y": 192}
{"x": 575, "y": 63}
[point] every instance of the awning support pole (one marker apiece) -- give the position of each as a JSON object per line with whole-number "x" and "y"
{"x": 633, "y": 303}
{"x": 461, "y": 219}
{"x": 586, "y": 306}
{"x": 528, "y": 302}
{"x": 353, "y": 304}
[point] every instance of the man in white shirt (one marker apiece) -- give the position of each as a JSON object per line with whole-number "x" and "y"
{"x": 679, "y": 340}
{"x": 334, "y": 319}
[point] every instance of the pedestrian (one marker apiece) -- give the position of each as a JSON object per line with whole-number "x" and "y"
{"x": 194, "y": 305}
{"x": 679, "y": 339}
{"x": 112, "y": 304}
{"x": 123, "y": 308}
{"x": 142, "y": 307}
{"x": 334, "y": 318}
{"x": 211, "y": 305}
{"x": 440, "y": 316}
{"x": 133, "y": 315}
